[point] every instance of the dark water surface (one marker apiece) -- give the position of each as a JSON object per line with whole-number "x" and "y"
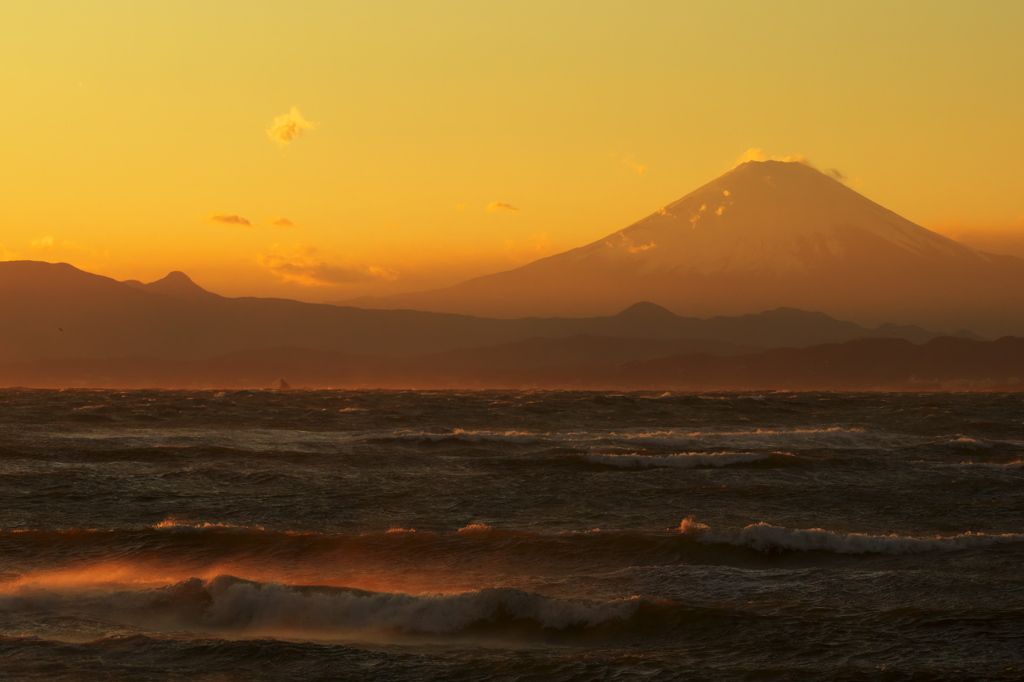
{"x": 322, "y": 535}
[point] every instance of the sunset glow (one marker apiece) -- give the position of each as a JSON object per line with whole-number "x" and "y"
{"x": 434, "y": 142}
{"x": 500, "y": 341}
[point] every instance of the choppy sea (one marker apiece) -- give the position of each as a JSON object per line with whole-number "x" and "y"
{"x": 387, "y": 535}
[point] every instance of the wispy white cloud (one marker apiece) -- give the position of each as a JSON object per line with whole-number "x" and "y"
{"x": 288, "y": 127}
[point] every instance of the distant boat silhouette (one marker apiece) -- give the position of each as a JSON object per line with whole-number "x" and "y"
{"x": 285, "y": 386}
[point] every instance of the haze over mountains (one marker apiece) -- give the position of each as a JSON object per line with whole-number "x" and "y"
{"x": 66, "y": 327}
{"x": 764, "y": 235}
{"x": 53, "y": 311}
{"x": 744, "y": 252}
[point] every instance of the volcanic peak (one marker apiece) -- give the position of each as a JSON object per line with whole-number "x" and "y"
{"x": 176, "y": 284}
{"x": 646, "y": 311}
{"x": 769, "y": 217}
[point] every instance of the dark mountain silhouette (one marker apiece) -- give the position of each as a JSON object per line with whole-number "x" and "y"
{"x": 175, "y": 319}
{"x": 765, "y": 234}
{"x": 176, "y": 284}
{"x": 577, "y": 350}
{"x": 942, "y": 363}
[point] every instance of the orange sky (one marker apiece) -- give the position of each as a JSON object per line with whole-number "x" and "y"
{"x": 323, "y": 150}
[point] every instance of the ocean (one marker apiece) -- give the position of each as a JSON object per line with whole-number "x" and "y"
{"x": 495, "y": 535}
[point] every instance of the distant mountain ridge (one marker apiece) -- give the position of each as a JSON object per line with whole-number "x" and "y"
{"x": 176, "y": 284}
{"x": 944, "y": 363}
{"x": 54, "y": 311}
{"x": 764, "y": 235}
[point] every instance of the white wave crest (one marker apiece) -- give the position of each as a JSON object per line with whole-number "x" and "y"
{"x": 965, "y": 443}
{"x": 680, "y": 461}
{"x": 1019, "y": 464}
{"x": 833, "y": 437}
{"x": 173, "y": 524}
{"x": 765, "y": 537}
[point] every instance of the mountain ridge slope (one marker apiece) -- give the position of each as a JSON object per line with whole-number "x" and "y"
{"x": 764, "y": 235}
{"x": 54, "y": 311}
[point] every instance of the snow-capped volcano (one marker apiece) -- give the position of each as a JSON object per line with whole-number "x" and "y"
{"x": 767, "y": 217}
{"x": 763, "y": 235}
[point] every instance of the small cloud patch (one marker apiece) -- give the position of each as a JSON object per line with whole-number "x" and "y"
{"x": 281, "y": 222}
{"x": 498, "y": 206}
{"x": 757, "y": 154}
{"x": 228, "y": 219}
{"x": 289, "y": 127}
{"x": 638, "y": 168}
{"x": 836, "y": 173}
{"x": 303, "y": 265}
{"x": 51, "y": 243}
{"x": 46, "y": 242}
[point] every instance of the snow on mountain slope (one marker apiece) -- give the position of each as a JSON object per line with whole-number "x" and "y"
{"x": 768, "y": 217}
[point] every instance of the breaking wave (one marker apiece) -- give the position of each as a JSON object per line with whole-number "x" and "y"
{"x": 227, "y": 604}
{"x": 965, "y": 443}
{"x": 420, "y": 561}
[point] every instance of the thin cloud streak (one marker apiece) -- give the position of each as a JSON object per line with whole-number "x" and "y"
{"x": 639, "y": 168}
{"x": 498, "y": 206}
{"x": 301, "y": 264}
{"x": 228, "y": 219}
